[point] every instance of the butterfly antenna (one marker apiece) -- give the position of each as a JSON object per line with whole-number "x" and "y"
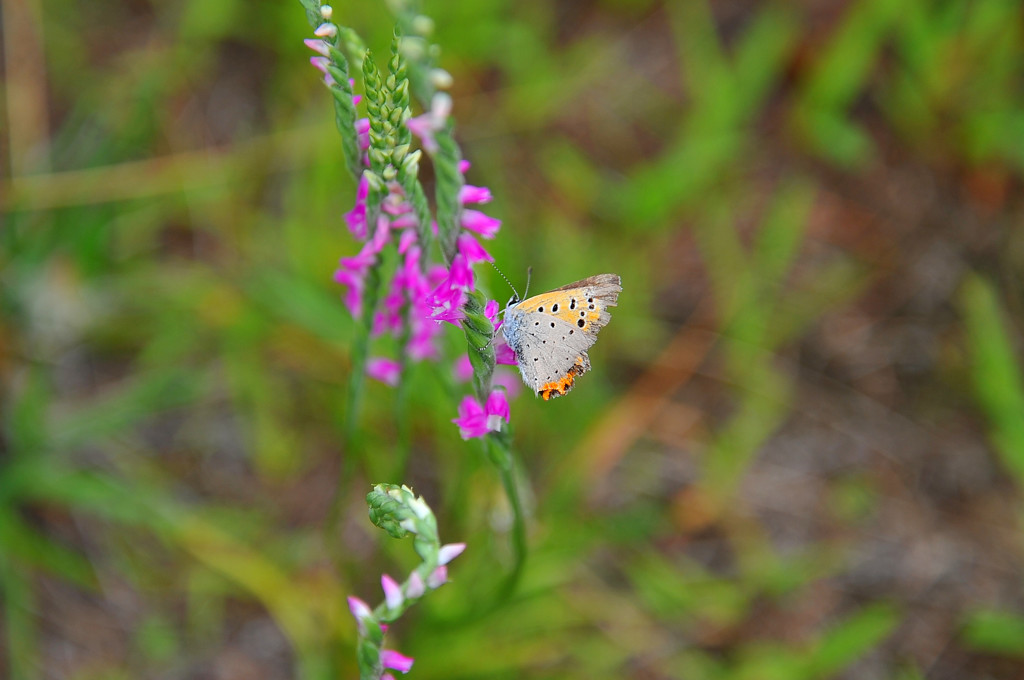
{"x": 502, "y": 274}
{"x": 529, "y": 273}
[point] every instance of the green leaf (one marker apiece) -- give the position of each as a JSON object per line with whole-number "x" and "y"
{"x": 995, "y": 371}
{"x": 995, "y": 632}
{"x": 851, "y": 639}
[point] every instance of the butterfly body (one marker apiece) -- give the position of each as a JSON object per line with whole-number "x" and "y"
{"x": 550, "y": 333}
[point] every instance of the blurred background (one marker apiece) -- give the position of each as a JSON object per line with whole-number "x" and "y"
{"x": 800, "y": 452}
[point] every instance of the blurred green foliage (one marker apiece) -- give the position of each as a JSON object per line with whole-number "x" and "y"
{"x": 800, "y": 453}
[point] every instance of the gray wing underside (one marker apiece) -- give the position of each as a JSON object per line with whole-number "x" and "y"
{"x": 546, "y": 353}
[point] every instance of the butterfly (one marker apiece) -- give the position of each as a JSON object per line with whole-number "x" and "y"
{"x": 550, "y": 333}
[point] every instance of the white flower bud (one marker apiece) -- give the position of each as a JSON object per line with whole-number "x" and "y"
{"x": 441, "y": 78}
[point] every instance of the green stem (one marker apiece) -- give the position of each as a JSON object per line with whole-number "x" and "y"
{"x": 360, "y": 352}
{"x": 446, "y": 194}
{"x": 501, "y": 452}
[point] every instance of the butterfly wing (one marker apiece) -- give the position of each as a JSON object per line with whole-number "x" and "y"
{"x": 551, "y": 333}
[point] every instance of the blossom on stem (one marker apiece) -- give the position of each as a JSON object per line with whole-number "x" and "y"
{"x": 319, "y": 46}
{"x": 475, "y": 420}
{"x": 415, "y": 586}
{"x": 326, "y": 30}
{"x": 471, "y": 249}
{"x": 447, "y": 299}
{"x": 392, "y": 592}
{"x": 471, "y": 194}
{"x": 363, "y": 135}
{"x": 360, "y": 611}
{"x": 503, "y": 354}
{"x": 438, "y": 577}
{"x": 388, "y": 371}
{"x": 356, "y": 217}
{"x": 396, "y": 661}
{"x": 449, "y": 552}
{"x": 491, "y": 312}
{"x": 497, "y": 410}
{"x": 424, "y": 126}
{"x": 478, "y": 222}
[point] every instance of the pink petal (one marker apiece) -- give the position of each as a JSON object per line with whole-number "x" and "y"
{"x": 503, "y": 354}
{"x": 485, "y": 225}
{"x": 318, "y": 46}
{"x": 461, "y": 275}
{"x": 491, "y": 310}
{"x": 471, "y": 194}
{"x": 497, "y": 410}
{"x": 389, "y": 658}
{"x": 407, "y": 239}
{"x": 392, "y": 592}
{"x": 438, "y": 577}
{"x": 422, "y": 127}
{"x": 415, "y": 586}
{"x": 387, "y": 371}
{"x": 449, "y": 552}
{"x": 472, "y": 420}
{"x": 360, "y": 610}
{"x": 320, "y": 63}
{"x": 471, "y": 249}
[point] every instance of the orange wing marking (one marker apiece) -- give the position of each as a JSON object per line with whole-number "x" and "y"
{"x": 559, "y": 387}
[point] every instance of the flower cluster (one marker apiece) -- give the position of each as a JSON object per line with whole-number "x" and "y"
{"x": 420, "y": 295}
{"x": 401, "y": 513}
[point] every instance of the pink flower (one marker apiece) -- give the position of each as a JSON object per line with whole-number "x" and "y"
{"x": 392, "y": 592}
{"x": 449, "y": 552}
{"x": 471, "y": 249}
{"x": 425, "y": 125}
{"x": 475, "y": 420}
{"x": 497, "y": 410}
{"x": 388, "y": 371}
{"x": 486, "y": 226}
{"x": 363, "y": 132}
{"x": 472, "y": 420}
{"x": 319, "y": 46}
{"x": 438, "y": 577}
{"x": 361, "y": 612}
{"x": 351, "y": 273}
{"x": 415, "y": 587}
{"x": 447, "y": 299}
{"x": 381, "y": 234}
{"x": 396, "y": 661}
{"x": 406, "y": 241}
{"x": 503, "y": 354}
{"x": 356, "y": 217}
{"x": 446, "y": 303}
{"x": 320, "y": 64}
{"x": 471, "y": 194}
{"x": 389, "y": 319}
{"x": 460, "y": 276}
{"x": 491, "y": 310}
